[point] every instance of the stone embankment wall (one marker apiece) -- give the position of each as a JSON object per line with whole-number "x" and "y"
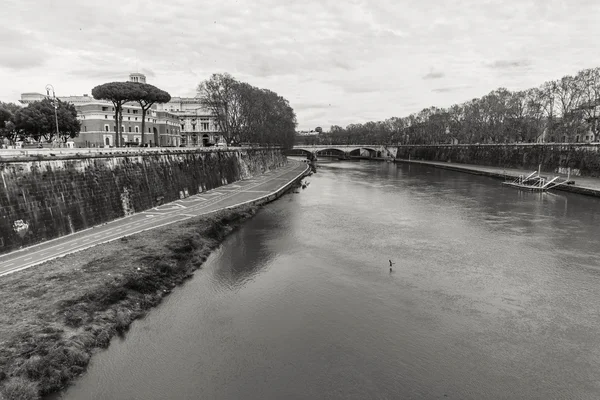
{"x": 44, "y": 196}
{"x": 583, "y": 159}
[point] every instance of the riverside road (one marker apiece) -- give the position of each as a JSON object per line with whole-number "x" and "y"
{"x": 227, "y": 196}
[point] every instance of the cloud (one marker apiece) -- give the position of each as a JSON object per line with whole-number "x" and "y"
{"x": 450, "y": 89}
{"x": 368, "y": 58}
{"x": 310, "y": 106}
{"x": 100, "y": 75}
{"x": 434, "y": 75}
{"x": 21, "y": 50}
{"x": 509, "y": 64}
{"x": 22, "y": 59}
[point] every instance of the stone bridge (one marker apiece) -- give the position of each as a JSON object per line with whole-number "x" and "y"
{"x": 361, "y": 150}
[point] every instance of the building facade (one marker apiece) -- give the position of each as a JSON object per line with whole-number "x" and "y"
{"x": 197, "y": 125}
{"x": 181, "y": 122}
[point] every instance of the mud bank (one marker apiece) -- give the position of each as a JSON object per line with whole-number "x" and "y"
{"x": 56, "y": 315}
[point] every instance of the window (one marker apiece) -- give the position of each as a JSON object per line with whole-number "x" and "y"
{"x": 167, "y": 130}
{"x": 135, "y": 111}
{"x": 114, "y": 128}
{"x": 136, "y": 118}
{"x": 104, "y": 108}
{"x": 123, "y": 128}
{"x": 106, "y": 117}
{"x": 129, "y": 129}
{"x": 149, "y": 130}
{"x": 107, "y": 141}
{"x": 85, "y": 128}
{"x": 128, "y": 111}
{"x": 182, "y": 127}
{"x": 128, "y": 118}
{"x": 205, "y": 126}
{"x": 137, "y": 129}
{"x": 105, "y": 128}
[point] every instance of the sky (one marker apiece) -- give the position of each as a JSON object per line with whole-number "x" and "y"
{"x": 337, "y": 62}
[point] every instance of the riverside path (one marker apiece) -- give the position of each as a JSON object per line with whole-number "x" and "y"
{"x": 583, "y": 185}
{"x": 257, "y": 189}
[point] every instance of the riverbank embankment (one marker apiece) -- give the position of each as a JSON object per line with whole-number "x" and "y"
{"x": 583, "y": 185}
{"x": 52, "y": 194}
{"x": 54, "y": 316}
{"x": 583, "y": 159}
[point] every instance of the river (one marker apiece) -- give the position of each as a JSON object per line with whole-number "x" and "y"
{"x": 493, "y": 295}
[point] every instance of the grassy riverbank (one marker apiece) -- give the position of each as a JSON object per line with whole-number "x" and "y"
{"x": 53, "y": 317}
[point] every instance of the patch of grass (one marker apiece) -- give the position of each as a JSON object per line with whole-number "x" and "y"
{"x": 18, "y": 388}
{"x": 54, "y": 316}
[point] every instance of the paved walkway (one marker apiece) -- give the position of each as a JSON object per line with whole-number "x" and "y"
{"x": 261, "y": 187}
{"x": 585, "y": 185}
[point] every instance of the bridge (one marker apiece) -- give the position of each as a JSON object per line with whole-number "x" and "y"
{"x": 359, "y": 150}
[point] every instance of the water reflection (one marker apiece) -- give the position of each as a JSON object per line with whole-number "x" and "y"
{"x": 239, "y": 266}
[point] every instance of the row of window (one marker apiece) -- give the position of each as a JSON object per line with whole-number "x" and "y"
{"x": 137, "y": 129}
{"x": 128, "y": 118}
{"x": 205, "y": 126}
{"x": 113, "y": 109}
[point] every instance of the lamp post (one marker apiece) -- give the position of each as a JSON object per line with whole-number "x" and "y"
{"x": 48, "y": 88}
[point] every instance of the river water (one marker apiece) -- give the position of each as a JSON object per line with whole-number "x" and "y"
{"x": 493, "y": 295}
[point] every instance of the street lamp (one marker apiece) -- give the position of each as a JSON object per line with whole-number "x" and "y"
{"x": 48, "y": 88}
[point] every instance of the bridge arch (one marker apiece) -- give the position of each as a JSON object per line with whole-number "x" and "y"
{"x": 331, "y": 151}
{"x": 298, "y": 152}
{"x": 360, "y": 151}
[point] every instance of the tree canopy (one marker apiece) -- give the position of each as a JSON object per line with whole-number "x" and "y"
{"x": 118, "y": 93}
{"x": 151, "y": 95}
{"x": 245, "y": 113}
{"x": 38, "y": 120}
{"x": 7, "y": 120}
{"x": 564, "y": 110}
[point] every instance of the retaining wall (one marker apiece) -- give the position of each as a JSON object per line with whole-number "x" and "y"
{"x": 583, "y": 159}
{"x": 44, "y": 196}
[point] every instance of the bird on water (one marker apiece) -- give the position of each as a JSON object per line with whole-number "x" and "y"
{"x": 391, "y": 263}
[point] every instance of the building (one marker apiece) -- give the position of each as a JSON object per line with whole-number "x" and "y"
{"x": 181, "y": 122}
{"x": 197, "y": 125}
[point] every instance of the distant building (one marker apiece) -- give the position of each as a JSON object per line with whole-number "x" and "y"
{"x": 197, "y": 125}
{"x": 306, "y": 133}
{"x": 182, "y": 121}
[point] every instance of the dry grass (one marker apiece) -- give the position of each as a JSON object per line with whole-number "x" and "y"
{"x": 54, "y": 316}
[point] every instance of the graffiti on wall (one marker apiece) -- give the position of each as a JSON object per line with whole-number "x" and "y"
{"x": 21, "y": 227}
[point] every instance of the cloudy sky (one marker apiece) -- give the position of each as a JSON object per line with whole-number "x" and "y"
{"x": 337, "y": 62}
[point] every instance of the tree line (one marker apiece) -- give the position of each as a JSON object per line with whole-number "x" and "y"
{"x": 247, "y": 114}
{"x": 564, "y": 110}
{"x": 38, "y": 121}
{"x": 242, "y": 112}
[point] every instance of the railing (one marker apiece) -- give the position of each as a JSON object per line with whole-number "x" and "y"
{"x": 14, "y": 153}
{"x": 595, "y": 145}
